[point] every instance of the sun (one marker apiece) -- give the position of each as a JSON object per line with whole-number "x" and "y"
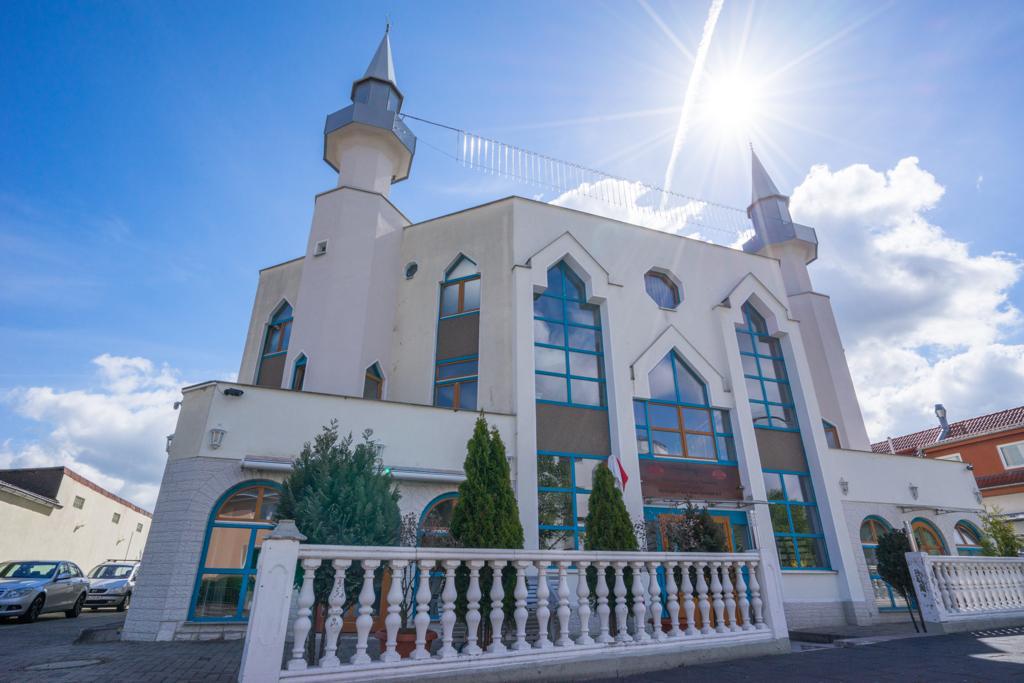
{"x": 732, "y": 103}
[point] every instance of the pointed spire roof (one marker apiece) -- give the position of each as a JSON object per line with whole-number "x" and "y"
{"x": 762, "y": 184}
{"x": 382, "y": 66}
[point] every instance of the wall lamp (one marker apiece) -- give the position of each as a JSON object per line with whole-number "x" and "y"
{"x": 216, "y": 437}
{"x": 844, "y": 486}
{"x": 913, "y": 492}
{"x": 232, "y": 391}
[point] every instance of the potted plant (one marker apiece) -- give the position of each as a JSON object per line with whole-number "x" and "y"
{"x": 406, "y": 638}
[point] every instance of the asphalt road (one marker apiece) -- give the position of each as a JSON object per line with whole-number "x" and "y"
{"x": 51, "y": 629}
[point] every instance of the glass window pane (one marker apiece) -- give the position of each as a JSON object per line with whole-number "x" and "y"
{"x": 241, "y": 505}
{"x": 691, "y": 389}
{"x": 768, "y": 346}
{"x": 639, "y": 415}
{"x": 228, "y": 548}
{"x": 663, "y": 416}
{"x": 549, "y": 360}
{"x": 772, "y": 486}
{"x": 805, "y": 519}
{"x": 268, "y": 507}
{"x": 286, "y": 333}
{"x": 798, "y": 488}
{"x": 449, "y": 299}
{"x": 551, "y": 389}
{"x": 465, "y": 368}
{"x": 787, "y": 552}
{"x": 754, "y": 389}
{"x": 698, "y": 446}
{"x": 444, "y": 396}
{"x": 218, "y": 595}
{"x": 726, "y": 448}
{"x": 467, "y": 395}
{"x": 786, "y": 415}
{"x": 582, "y": 338}
{"x": 759, "y": 412}
{"x": 583, "y": 314}
{"x": 750, "y": 365}
{"x": 667, "y": 443}
{"x": 772, "y": 368}
{"x": 642, "y": 444}
{"x": 554, "y": 281}
{"x": 812, "y": 552}
{"x": 587, "y": 393}
{"x": 585, "y": 475}
{"x": 867, "y": 532}
{"x": 557, "y": 539}
{"x": 1013, "y": 455}
{"x": 661, "y": 381}
{"x": 746, "y": 342}
{"x": 463, "y": 268}
{"x": 662, "y": 290}
{"x": 696, "y": 420}
{"x": 554, "y": 508}
{"x": 723, "y": 425}
{"x": 585, "y": 365}
{"x": 582, "y": 503}
{"x": 554, "y": 472}
{"x": 574, "y": 288}
{"x": 471, "y": 295}
{"x": 545, "y": 332}
{"x": 273, "y": 340}
{"x": 778, "y": 393}
{"x": 547, "y": 307}
{"x": 780, "y": 518}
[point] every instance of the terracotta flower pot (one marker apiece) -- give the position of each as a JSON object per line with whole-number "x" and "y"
{"x": 406, "y": 640}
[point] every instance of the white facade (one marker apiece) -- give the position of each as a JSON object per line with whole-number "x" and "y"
{"x": 372, "y": 298}
{"x": 57, "y": 514}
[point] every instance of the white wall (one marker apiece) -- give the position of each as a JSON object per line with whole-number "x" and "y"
{"x": 276, "y": 284}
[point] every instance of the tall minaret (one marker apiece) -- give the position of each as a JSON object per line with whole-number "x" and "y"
{"x": 796, "y": 246}
{"x": 345, "y": 311}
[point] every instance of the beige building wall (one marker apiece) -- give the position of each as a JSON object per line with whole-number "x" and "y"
{"x": 86, "y": 536}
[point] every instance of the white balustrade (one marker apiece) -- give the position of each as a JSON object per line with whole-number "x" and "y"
{"x": 717, "y": 595}
{"x": 962, "y": 588}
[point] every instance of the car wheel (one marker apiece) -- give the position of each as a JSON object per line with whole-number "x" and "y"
{"x": 123, "y": 605}
{"x": 77, "y": 609}
{"x": 32, "y": 613}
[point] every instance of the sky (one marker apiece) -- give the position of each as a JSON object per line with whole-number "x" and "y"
{"x": 155, "y": 156}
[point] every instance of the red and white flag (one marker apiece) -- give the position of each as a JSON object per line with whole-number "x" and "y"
{"x": 618, "y": 471}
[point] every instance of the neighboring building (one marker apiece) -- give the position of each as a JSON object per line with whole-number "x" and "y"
{"x": 714, "y": 374}
{"x": 993, "y": 445}
{"x": 54, "y": 513}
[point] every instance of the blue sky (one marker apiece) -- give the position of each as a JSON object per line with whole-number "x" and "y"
{"x": 156, "y": 155}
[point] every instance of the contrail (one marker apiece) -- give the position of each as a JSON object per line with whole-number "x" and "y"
{"x": 691, "y": 93}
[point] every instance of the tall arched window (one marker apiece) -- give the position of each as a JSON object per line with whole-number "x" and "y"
{"x": 299, "y": 373}
{"x": 885, "y": 598}
{"x": 275, "y": 347}
{"x": 764, "y": 368}
{"x": 967, "y": 538}
{"x": 678, "y": 420}
{"x": 458, "y": 331}
{"x": 929, "y": 539}
{"x": 436, "y": 522}
{"x": 373, "y": 383}
{"x": 240, "y": 521}
{"x": 460, "y": 292}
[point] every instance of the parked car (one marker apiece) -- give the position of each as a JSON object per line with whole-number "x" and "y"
{"x": 111, "y": 584}
{"x": 31, "y": 588}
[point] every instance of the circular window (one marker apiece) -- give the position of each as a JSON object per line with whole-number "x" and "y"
{"x": 410, "y": 270}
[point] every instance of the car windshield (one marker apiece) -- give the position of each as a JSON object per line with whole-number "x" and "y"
{"x": 111, "y": 571}
{"x": 28, "y": 570}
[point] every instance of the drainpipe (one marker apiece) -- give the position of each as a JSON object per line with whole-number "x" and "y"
{"x": 940, "y": 412}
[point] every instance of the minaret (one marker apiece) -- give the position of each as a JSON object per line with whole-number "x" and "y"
{"x": 348, "y": 291}
{"x": 796, "y": 246}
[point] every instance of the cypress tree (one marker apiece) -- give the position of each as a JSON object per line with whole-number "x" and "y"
{"x": 608, "y": 524}
{"x": 891, "y": 553}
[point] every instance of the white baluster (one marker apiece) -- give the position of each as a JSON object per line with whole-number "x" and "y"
{"x": 966, "y": 587}
{"x": 702, "y": 600}
{"x": 521, "y": 614}
{"x": 640, "y": 634}
{"x": 583, "y": 603}
{"x": 688, "y": 606}
{"x": 620, "y": 606}
{"x": 543, "y": 608}
{"x": 473, "y": 608}
{"x": 448, "y": 596}
{"x": 422, "y": 619}
{"x": 730, "y": 599}
{"x": 716, "y": 602}
{"x": 394, "y": 620}
{"x": 603, "y": 611}
{"x": 673, "y": 599}
{"x": 332, "y": 629}
{"x": 945, "y": 585}
{"x": 563, "y": 606}
{"x": 365, "y": 621}
{"x": 744, "y": 602}
{"x": 959, "y": 592}
{"x": 300, "y": 630}
{"x": 755, "y": 598}
{"x": 655, "y": 607}
{"x": 497, "y": 596}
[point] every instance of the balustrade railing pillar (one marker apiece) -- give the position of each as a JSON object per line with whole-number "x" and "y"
{"x": 563, "y": 606}
{"x": 422, "y": 619}
{"x": 730, "y": 599}
{"x": 448, "y": 596}
{"x": 543, "y": 607}
{"x": 393, "y": 621}
{"x": 473, "y": 595}
{"x": 603, "y": 611}
{"x": 332, "y": 629}
{"x": 620, "y": 605}
{"x": 497, "y": 596}
{"x": 702, "y": 599}
{"x": 640, "y": 634}
{"x": 521, "y": 615}
{"x": 688, "y": 604}
{"x": 755, "y": 598}
{"x": 744, "y": 602}
{"x": 583, "y": 603}
{"x": 365, "y": 621}
{"x": 673, "y": 599}
{"x": 300, "y": 631}
{"x": 655, "y": 607}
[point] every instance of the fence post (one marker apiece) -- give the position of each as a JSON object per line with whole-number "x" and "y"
{"x": 268, "y": 616}
{"x": 925, "y": 588}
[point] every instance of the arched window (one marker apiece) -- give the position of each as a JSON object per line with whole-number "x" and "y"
{"x": 457, "y": 358}
{"x": 967, "y": 538}
{"x": 460, "y": 292}
{"x": 764, "y": 368}
{"x": 885, "y": 598}
{"x": 299, "y": 373}
{"x": 661, "y": 289}
{"x": 831, "y": 434}
{"x": 568, "y": 355}
{"x": 436, "y": 522}
{"x": 275, "y": 347}
{"x": 929, "y": 539}
{"x": 678, "y": 421}
{"x": 238, "y": 525}
{"x": 373, "y": 383}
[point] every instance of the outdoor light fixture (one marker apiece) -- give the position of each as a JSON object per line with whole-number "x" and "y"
{"x": 232, "y": 391}
{"x": 170, "y": 438}
{"x": 216, "y": 437}
{"x": 844, "y": 486}
{"x": 940, "y": 411}
{"x": 913, "y": 491}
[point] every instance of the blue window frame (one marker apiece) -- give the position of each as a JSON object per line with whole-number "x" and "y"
{"x": 678, "y": 420}
{"x": 239, "y": 522}
{"x": 768, "y": 388}
{"x": 967, "y": 538}
{"x": 799, "y": 538}
{"x": 886, "y": 599}
{"x": 568, "y": 353}
{"x": 373, "y": 383}
{"x": 564, "y": 482}
{"x": 831, "y": 434}
{"x": 455, "y": 382}
{"x": 275, "y": 341}
{"x": 299, "y": 373}
{"x": 460, "y": 291}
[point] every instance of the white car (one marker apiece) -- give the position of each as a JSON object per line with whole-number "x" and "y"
{"x": 28, "y": 589}
{"x": 111, "y": 584}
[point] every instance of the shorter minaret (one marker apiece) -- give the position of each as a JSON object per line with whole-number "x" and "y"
{"x": 796, "y": 246}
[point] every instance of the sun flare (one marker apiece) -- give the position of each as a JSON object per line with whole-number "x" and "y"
{"x": 732, "y": 104}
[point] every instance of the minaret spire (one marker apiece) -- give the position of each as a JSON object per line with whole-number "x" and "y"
{"x": 382, "y": 66}
{"x": 762, "y": 184}
{"x": 769, "y": 212}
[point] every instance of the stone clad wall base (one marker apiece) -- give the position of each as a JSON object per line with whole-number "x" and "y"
{"x": 802, "y": 615}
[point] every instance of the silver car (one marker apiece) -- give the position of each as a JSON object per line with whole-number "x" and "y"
{"x": 111, "y": 584}
{"x": 28, "y": 589}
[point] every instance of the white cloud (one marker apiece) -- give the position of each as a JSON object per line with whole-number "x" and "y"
{"x": 924, "y": 320}
{"x": 113, "y": 433}
{"x": 636, "y": 203}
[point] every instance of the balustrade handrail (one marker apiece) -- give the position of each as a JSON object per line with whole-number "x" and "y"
{"x": 959, "y": 587}
{"x": 358, "y": 552}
